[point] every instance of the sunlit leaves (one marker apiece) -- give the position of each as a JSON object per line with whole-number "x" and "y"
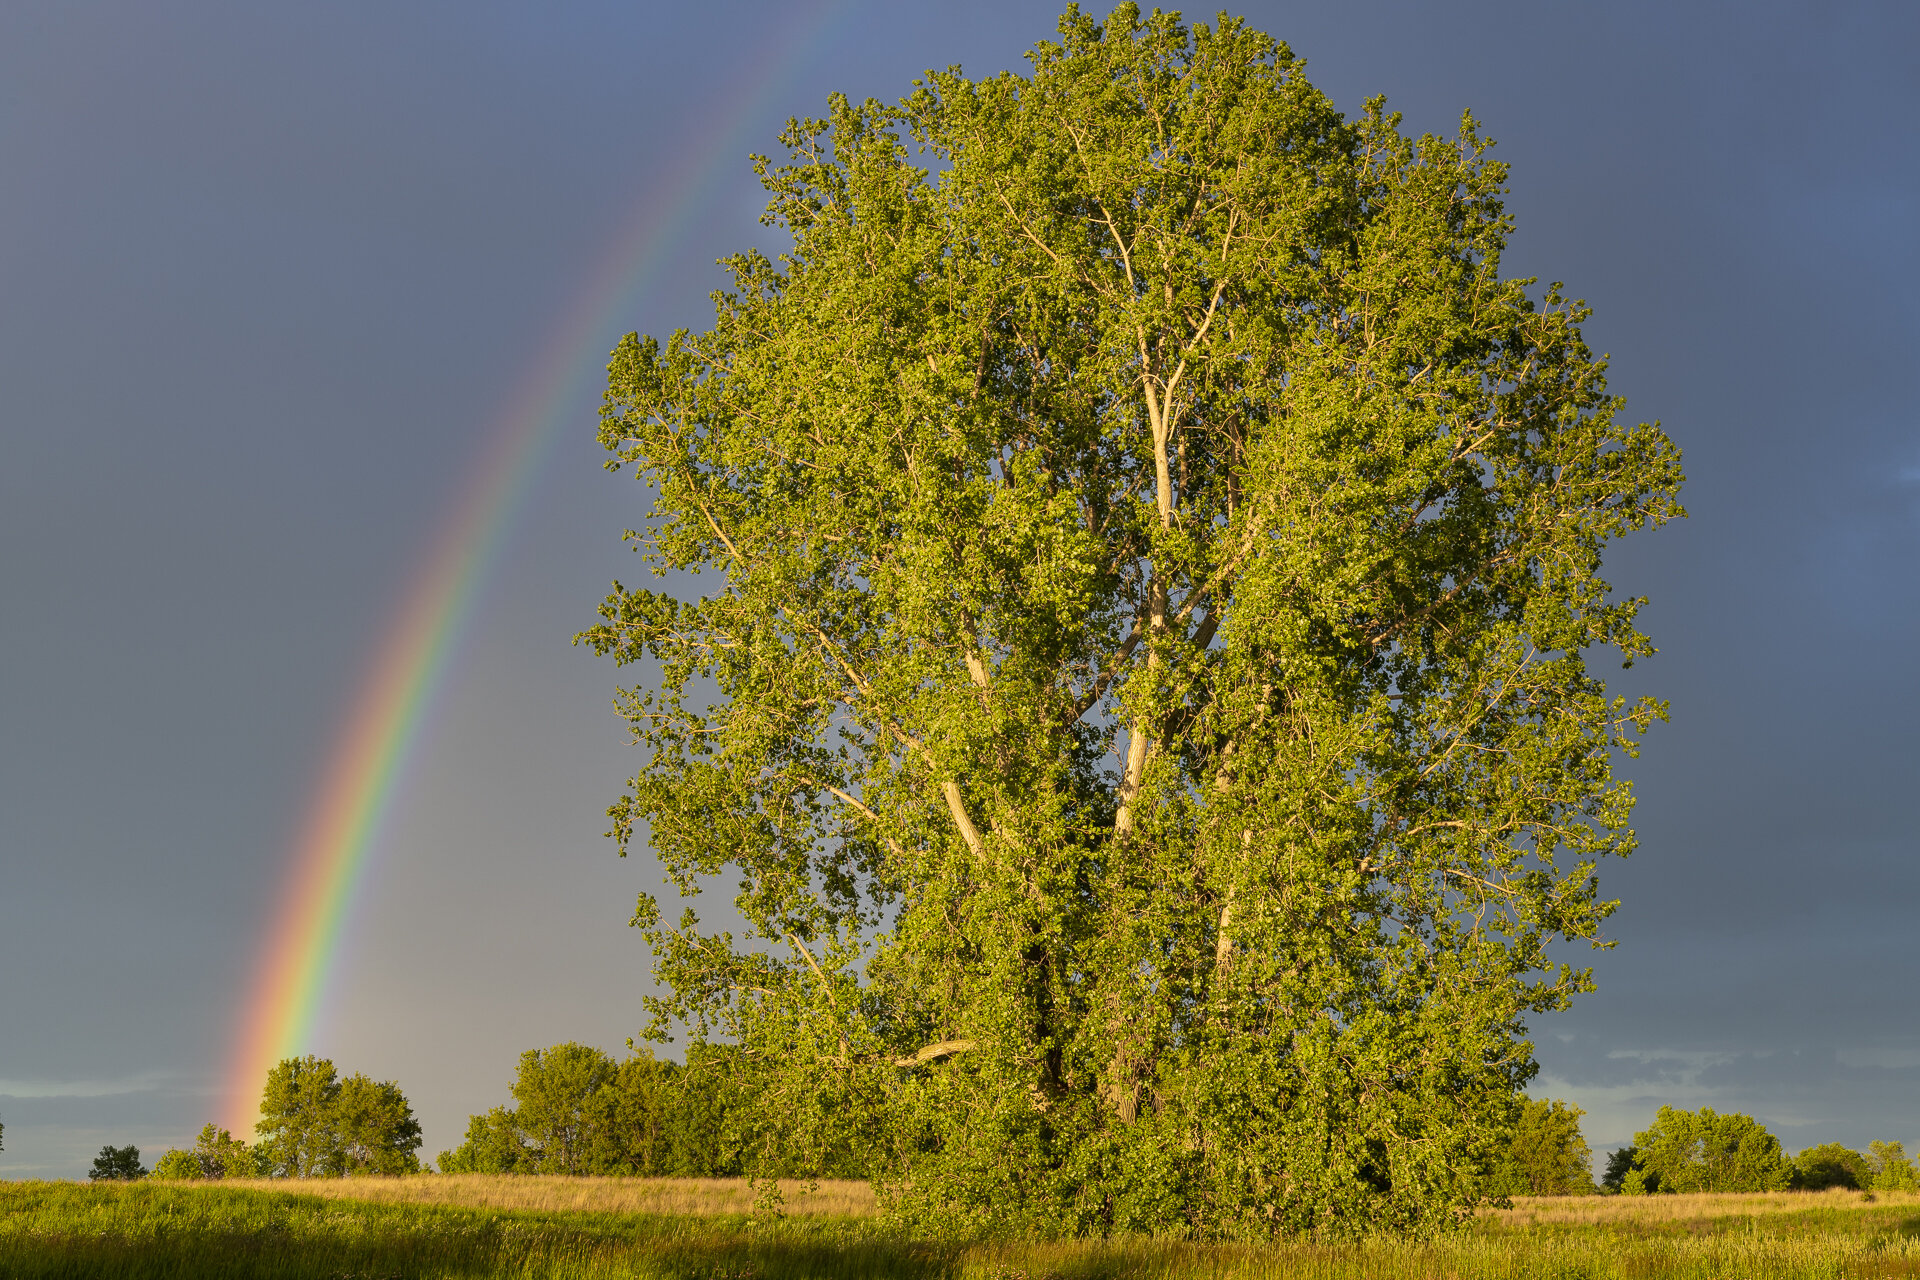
{"x": 1149, "y": 555}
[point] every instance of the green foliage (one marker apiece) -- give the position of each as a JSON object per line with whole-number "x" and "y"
{"x": 296, "y": 1130}
{"x": 1640, "y": 1182}
{"x": 314, "y": 1124}
{"x": 1702, "y": 1150}
{"x": 375, "y": 1127}
{"x": 1142, "y": 692}
{"x": 117, "y": 1164}
{"x": 1830, "y": 1165}
{"x": 178, "y": 1166}
{"x": 579, "y": 1113}
{"x": 215, "y": 1154}
{"x": 1890, "y": 1167}
{"x": 633, "y": 1117}
{"x": 553, "y": 1089}
{"x": 660, "y": 1119}
{"x": 1620, "y": 1163}
{"x": 224, "y": 1156}
{"x": 493, "y": 1145}
{"x": 1547, "y": 1155}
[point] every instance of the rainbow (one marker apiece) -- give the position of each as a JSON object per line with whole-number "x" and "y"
{"x": 336, "y": 848}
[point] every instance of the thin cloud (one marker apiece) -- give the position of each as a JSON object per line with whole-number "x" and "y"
{"x": 145, "y": 1082}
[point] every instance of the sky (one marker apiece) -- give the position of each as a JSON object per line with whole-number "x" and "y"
{"x": 276, "y": 281}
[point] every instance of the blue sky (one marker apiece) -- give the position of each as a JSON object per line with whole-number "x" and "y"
{"x": 267, "y": 274}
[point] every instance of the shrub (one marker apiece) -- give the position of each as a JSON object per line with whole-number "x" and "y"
{"x": 1891, "y": 1169}
{"x": 177, "y": 1166}
{"x": 1830, "y": 1165}
{"x": 214, "y": 1154}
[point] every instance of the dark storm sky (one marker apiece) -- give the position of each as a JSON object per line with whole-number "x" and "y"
{"x": 267, "y": 274}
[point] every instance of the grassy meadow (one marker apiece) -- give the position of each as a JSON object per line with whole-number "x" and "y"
{"x": 478, "y": 1226}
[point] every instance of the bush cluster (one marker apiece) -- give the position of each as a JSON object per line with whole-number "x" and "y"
{"x": 215, "y": 1154}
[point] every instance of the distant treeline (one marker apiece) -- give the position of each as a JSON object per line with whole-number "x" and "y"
{"x": 1683, "y": 1151}
{"x": 577, "y": 1111}
{"x": 1687, "y": 1151}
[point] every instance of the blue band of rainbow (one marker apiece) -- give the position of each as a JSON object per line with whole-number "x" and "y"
{"x": 299, "y": 955}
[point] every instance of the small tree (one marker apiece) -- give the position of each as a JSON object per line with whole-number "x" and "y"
{"x": 493, "y": 1145}
{"x": 1547, "y": 1156}
{"x": 1619, "y": 1164}
{"x": 554, "y": 1089}
{"x": 375, "y": 1127}
{"x": 314, "y": 1124}
{"x": 717, "y": 1111}
{"x": 224, "y": 1156}
{"x": 1705, "y": 1151}
{"x": 631, "y": 1119}
{"x": 1891, "y": 1169}
{"x": 215, "y": 1154}
{"x": 117, "y": 1164}
{"x": 178, "y": 1166}
{"x": 1830, "y": 1165}
{"x": 296, "y": 1126}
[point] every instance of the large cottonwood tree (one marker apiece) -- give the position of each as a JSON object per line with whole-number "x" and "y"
{"x": 1140, "y": 687}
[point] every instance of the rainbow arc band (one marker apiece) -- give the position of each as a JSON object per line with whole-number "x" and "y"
{"x": 300, "y": 954}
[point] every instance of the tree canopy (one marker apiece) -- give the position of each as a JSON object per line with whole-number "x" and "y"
{"x": 1547, "y": 1156}
{"x": 1890, "y": 1167}
{"x": 314, "y": 1124}
{"x": 1142, "y": 687}
{"x": 1687, "y": 1151}
{"x": 117, "y": 1164}
{"x": 580, "y": 1112}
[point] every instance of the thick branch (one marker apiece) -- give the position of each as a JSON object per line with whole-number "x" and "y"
{"x": 957, "y": 806}
{"x": 944, "y": 1049}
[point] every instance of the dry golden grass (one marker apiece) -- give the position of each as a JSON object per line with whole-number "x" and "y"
{"x": 711, "y": 1197}
{"x": 1596, "y": 1210}
{"x": 579, "y": 1229}
{"x": 696, "y": 1197}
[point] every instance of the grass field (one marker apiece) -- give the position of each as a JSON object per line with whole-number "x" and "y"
{"x": 479, "y": 1227}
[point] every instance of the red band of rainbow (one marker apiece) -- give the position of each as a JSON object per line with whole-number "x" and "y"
{"x": 299, "y": 956}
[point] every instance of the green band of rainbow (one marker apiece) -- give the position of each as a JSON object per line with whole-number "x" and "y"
{"x": 300, "y": 953}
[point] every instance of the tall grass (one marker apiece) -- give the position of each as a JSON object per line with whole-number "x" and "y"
{"x": 380, "y": 1230}
{"x": 1643, "y": 1210}
{"x": 552, "y": 1193}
